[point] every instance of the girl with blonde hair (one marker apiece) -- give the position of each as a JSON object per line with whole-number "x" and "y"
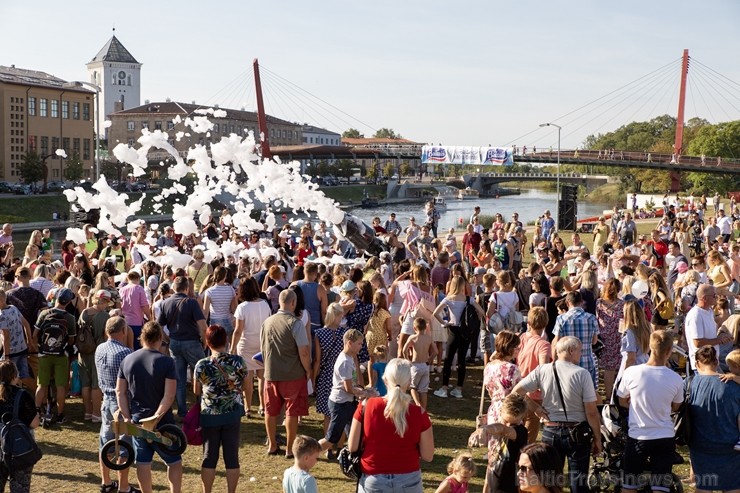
{"x": 636, "y": 338}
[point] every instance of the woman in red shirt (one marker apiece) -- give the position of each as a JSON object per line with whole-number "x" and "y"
{"x": 395, "y": 434}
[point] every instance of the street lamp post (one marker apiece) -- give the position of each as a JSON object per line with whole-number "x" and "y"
{"x": 557, "y": 200}
{"x": 97, "y": 89}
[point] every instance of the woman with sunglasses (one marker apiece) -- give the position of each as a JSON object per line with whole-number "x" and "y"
{"x": 540, "y": 469}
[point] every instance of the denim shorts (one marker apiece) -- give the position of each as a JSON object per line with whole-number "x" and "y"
{"x": 145, "y": 453}
{"x": 107, "y": 408}
{"x": 21, "y": 362}
{"x": 391, "y": 483}
{"x": 341, "y": 419}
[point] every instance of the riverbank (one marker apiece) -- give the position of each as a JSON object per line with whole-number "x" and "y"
{"x": 608, "y": 193}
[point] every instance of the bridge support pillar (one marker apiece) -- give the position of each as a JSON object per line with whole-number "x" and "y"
{"x": 675, "y": 181}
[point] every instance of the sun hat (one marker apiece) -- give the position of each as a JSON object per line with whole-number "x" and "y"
{"x": 348, "y": 287}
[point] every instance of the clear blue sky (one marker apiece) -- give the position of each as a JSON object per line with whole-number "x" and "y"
{"x": 460, "y": 73}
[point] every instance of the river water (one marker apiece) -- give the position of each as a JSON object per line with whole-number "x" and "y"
{"x": 531, "y": 204}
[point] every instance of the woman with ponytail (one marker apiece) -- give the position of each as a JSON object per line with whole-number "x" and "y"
{"x": 393, "y": 433}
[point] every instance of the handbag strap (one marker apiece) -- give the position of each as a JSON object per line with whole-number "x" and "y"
{"x": 482, "y": 399}
{"x": 560, "y": 390}
{"x": 17, "y": 403}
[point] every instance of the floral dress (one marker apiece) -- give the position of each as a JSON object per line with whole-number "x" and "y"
{"x": 499, "y": 378}
{"x": 221, "y": 377}
{"x": 331, "y": 343}
{"x": 608, "y": 317}
{"x": 358, "y": 319}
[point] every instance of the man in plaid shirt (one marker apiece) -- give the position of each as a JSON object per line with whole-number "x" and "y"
{"x": 578, "y": 323}
{"x": 108, "y": 358}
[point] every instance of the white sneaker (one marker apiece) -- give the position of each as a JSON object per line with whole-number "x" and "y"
{"x": 442, "y": 392}
{"x": 456, "y": 393}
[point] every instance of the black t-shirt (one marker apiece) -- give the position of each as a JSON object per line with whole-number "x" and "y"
{"x": 552, "y": 314}
{"x": 27, "y": 411}
{"x": 181, "y": 316}
{"x": 145, "y": 371}
{"x": 29, "y": 301}
{"x": 507, "y": 481}
{"x": 523, "y": 288}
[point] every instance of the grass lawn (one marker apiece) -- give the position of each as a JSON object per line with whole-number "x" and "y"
{"x": 70, "y": 462}
{"x": 70, "y": 452}
{"x": 354, "y": 193}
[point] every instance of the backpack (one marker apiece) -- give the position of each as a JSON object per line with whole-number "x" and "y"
{"x": 54, "y": 333}
{"x": 86, "y": 343}
{"x": 18, "y": 449}
{"x": 469, "y": 320}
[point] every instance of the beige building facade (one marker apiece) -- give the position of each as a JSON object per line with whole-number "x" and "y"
{"x": 126, "y": 126}
{"x": 38, "y": 113}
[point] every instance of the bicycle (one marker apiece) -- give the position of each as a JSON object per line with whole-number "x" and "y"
{"x": 168, "y": 439}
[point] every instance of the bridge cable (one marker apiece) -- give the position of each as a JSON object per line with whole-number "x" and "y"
{"x": 711, "y": 114}
{"x": 318, "y": 98}
{"x": 657, "y": 73}
{"x": 715, "y": 72}
{"x": 708, "y": 76}
{"x": 712, "y": 91}
{"x": 286, "y": 91}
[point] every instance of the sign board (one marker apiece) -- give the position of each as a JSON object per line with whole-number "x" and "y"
{"x": 480, "y": 156}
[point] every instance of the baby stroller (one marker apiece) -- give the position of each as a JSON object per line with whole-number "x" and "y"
{"x": 605, "y": 472}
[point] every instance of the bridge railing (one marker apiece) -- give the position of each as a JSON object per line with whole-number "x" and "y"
{"x": 634, "y": 156}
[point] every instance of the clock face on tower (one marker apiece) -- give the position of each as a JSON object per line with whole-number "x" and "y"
{"x": 121, "y": 74}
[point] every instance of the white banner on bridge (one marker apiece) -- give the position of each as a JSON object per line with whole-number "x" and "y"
{"x": 497, "y": 156}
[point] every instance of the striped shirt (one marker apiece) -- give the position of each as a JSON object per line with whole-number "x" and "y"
{"x": 220, "y": 296}
{"x": 41, "y": 284}
{"x": 108, "y": 358}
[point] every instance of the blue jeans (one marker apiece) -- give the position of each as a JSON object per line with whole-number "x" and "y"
{"x": 186, "y": 353}
{"x": 391, "y": 483}
{"x": 577, "y": 455}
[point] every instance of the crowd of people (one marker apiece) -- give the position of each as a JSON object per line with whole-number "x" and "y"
{"x": 561, "y": 325}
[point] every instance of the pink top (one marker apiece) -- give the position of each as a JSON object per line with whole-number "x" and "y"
{"x": 456, "y": 486}
{"x": 133, "y": 302}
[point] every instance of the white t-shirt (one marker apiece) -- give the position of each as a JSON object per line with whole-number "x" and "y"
{"x": 725, "y": 225}
{"x": 344, "y": 369}
{"x": 652, "y": 389}
{"x": 297, "y": 480}
{"x": 700, "y": 324}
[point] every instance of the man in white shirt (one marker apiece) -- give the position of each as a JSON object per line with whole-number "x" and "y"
{"x": 724, "y": 222}
{"x": 651, "y": 391}
{"x": 701, "y": 329}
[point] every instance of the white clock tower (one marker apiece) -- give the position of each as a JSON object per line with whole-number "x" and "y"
{"x": 118, "y": 75}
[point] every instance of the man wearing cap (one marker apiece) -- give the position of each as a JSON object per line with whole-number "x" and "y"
{"x": 451, "y": 249}
{"x": 168, "y": 240}
{"x": 95, "y": 317}
{"x": 547, "y": 224}
{"x": 116, "y": 249}
{"x": 391, "y": 225}
{"x": 56, "y": 362}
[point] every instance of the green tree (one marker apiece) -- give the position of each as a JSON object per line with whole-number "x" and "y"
{"x": 31, "y": 169}
{"x": 371, "y": 172}
{"x": 344, "y": 169}
{"x": 722, "y": 139}
{"x": 388, "y": 170}
{"x": 404, "y": 169}
{"x": 352, "y": 133}
{"x": 386, "y": 133}
{"x": 74, "y": 169}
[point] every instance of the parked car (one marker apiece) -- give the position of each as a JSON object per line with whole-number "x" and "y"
{"x": 22, "y": 189}
{"x": 56, "y": 186}
{"x": 138, "y": 186}
{"x": 6, "y": 187}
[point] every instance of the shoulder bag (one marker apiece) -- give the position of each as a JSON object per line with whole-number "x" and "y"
{"x": 349, "y": 462}
{"x": 682, "y": 417}
{"x": 581, "y": 434}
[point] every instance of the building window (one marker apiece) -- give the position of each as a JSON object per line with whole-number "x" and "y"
{"x": 65, "y": 110}
{"x": 310, "y": 139}
{"x": 32, "y": 106}
{"x": 171, "y": 125}
{"x": 54, "y": 143}
{"x": 43, "y": 102}
{"x": 54, "y": 108}
{"x": 65, "y": 145}
{"x": 157, "y": 125}
{"x": 131, "y": 126}
{"x": 130, "y": 142}
{"x": 76, "y": 111}
{"x": 76, "y": 146}
{"x": 144, "y": 124}
{"x": 285, "y": 134}
{"x": 216, "y": 128}
{"x": 32, "y": 142}
{"x": 86, "y": 149}
{"x": 272, "y": 133}
{"x": 86, "y": 111}
{"x": 44, "y": 146}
